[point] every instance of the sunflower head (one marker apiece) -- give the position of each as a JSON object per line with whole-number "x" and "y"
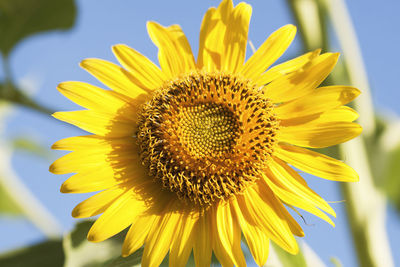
{"x": 192, "y": 154}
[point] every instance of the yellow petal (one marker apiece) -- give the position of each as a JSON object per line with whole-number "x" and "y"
{"x": 95, "y": 98}
{"x": 103, "y": 177}
{"x": 112, "y": 76}
{"x": 100, "y": 123}
{"x": 256, "y": 239}
{"x": 206, "y": 59}
{"x": 98, "y": 203}
{"x": 137, "y": 234}
{"x": 74, "y": 162}
{"x": 286, "y": 67}
{"x": 114, "y": 156}
{"x": 183, "y": 241}
{"x": 229, "y": 234}
{"x": 302, "y": 82}
{"x": 321, "y": 100}
{"x": 318, "y": 135}
{"x": 343, "y": 113}
{"x": 261, "y": 208}
{"x": 95, "y": 142}
{"x": 174, "y": 52}
{"x": 87, "y": 161}
{"x": 160, "y": 237}
{"x": 293, "y": 190}
{"x": 212, "y": 34}
{"x": 220, "y": 252}
{"x": 202, "y": 247}
{"x": 340, "y": 114}
{"x": 223, "y": 37}
{"x": 269, "y": 52}
{"x": 235, "y": 40}
{"x": 316, "y": 163}
{"x": 99, "y": 179}
{"x": 148, "y": 75}
{"x": 118, "y": 216}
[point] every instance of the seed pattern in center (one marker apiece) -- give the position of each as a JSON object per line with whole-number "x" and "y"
{"x": 208, "y": 129}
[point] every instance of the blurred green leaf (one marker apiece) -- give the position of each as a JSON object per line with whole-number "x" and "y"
{"x": 21, "y": 18}
{"x": 336, "y": 262}
{"x": 392, "y": 177}
{"x": 383, "y": 150}
{"x": 377, "y": 157}
{"x": 289, "y": 260}
{"x": 130, "y": 261}
{"x": 7, "y": 203}
{"x": 46, "y": 254}
{"x": 79, "y": 252}
{"x": 31, "y": 146}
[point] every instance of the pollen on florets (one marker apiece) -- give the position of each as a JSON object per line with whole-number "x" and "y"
{"x": 206, "y": 136}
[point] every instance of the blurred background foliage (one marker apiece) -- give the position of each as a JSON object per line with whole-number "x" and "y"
{"x": 20, "y": 19}
{"x": 379, "y": 145}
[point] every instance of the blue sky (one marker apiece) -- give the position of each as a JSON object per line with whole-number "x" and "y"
{"x": 48, "y": 59}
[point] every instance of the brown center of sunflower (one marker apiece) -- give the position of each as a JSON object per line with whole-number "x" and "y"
{"x": 207, "y": 136}
{"x": 207, "y": 129}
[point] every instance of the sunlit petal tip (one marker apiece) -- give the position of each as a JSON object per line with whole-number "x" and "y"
{"x": 356, "y": 92}
{"x": 354, "y": 177}
{"x": 57, "y": 145}
{"x": 52, "y": 169}
{"x": 293, "y": 248}
{"x": 95, "y": 235}
{"x": 75, "y": 213}
{"x": 92, "y": 237}
{"x": 350, "y": 93}
{"x": 125, "y": 254}
{"x": 289, "y": 31}
{"x": 62, "y": 86}
{"x": 117, "y": 47}
{"x": 84, "y": 64}
{"x": 357, "y": 178}
{"x": 245, "y": 8}
{"x": 125, "y": 251}
{"x": 54, "y": 146}
{"x": 336, "y": 55}
{"x": 55, "y": 114}
{"x": 65, "y": 188}
{"x": 290, "y": 27}
{"x": 60, "y": 115}
{"x": 150, "y": 25}
{"x": 358, "y": 130}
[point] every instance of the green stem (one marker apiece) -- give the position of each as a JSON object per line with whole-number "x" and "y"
{"x": 312, "y": 26}
{"x": 17, "y": 97}
{"x": 365, "y": 205}
{"x": 366, "y": 209}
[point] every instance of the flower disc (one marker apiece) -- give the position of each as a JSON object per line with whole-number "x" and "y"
{"x": 205, "y": 136}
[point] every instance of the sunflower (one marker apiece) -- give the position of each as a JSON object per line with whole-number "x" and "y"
{"x": 192, "y": 154}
